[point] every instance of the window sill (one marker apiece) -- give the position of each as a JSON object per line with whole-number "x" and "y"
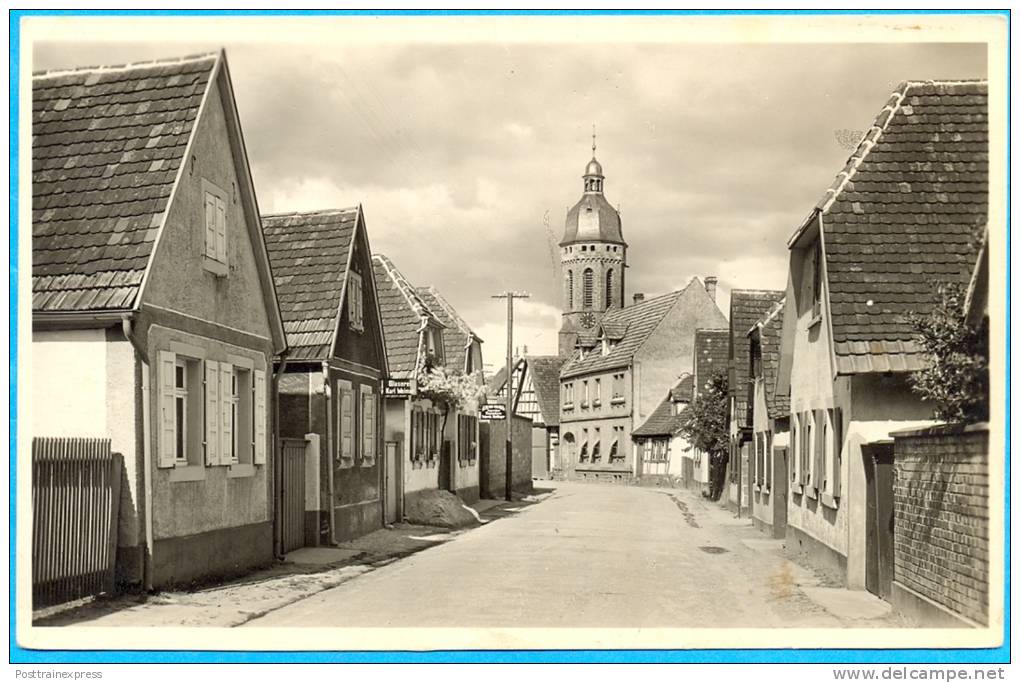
{"x": 618, "y": 401}
{"x": 815, "y": 320}
{"x": 217, "y": 268}
{"x": 797, "y": 489}
{"x": 812, "y": 493}
{"x": 830, "y": 501}
{"x": 241, "y": 470}
{"x": 187, "y": 473}
{"x": 346, "y": 463}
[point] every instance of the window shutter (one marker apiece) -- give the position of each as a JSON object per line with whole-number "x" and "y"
{"x": 210, "y": 225}
{"x": 346, "y": 425}
{"x": 221, "y": 230}
{"x": 212, "y": 420}
{"x": 837, "y": 452}
{"x": 226, "y": 429}
{"x": 820, "y": 435}
{"x": 804, "y": 446}
{"x": 367, "y": 426}
{"x": 167, "y": 434}
{"x": 794, "y": 451}
{"x": 259, "y": 404}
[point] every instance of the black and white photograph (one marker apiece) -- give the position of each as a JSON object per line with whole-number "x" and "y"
{"x": 580, "y": 332}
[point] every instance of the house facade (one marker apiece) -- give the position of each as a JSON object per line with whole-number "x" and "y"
{"x": 746, "y": 307}
{"x": 770, "y": 426}
{"x": 153, "y": 299}
{"x": 618, "y": 376}
{"x": 433, "y": 455}
{"x": 331, "y": 378}
{"x": 867, "y": 256}
{"x": 658, "y": 442}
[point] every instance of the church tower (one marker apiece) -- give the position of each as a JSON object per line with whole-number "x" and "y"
{"x": 593, "y": 257}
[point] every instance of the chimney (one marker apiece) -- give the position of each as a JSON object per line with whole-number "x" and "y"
{"x": 638, "y": 297}
{"x": 710, "y": 282}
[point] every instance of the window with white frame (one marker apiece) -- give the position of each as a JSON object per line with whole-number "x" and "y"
{"x": 355, "y": 302}
{"x": 210, "y": 408}
{"x": 598, "y": 392}
{"x": 180, "y": 411}
{"x": 584, "y": 389}
{"x": 215, "y": 223}
{"x": 617, "y": 388}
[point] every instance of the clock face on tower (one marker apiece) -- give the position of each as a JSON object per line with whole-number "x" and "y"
{"x": 588, "y": 319}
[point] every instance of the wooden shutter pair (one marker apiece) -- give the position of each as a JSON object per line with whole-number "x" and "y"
{"x": 215, "y": 227}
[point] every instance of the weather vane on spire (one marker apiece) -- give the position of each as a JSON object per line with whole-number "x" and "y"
{"x": 593, "y": 140}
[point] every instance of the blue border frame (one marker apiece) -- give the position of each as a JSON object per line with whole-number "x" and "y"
{"x": 19, "y": 655}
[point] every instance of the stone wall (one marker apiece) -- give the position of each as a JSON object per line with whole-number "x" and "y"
{"x": 492, "y": 470}
{"x": 940, "y": 497}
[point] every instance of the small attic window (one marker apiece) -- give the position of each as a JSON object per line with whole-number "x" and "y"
{"x": 355, "y": 302}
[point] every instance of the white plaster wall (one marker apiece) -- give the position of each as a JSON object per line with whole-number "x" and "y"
{"x": 425, "y": 476}
{"x": 69, "y": 383}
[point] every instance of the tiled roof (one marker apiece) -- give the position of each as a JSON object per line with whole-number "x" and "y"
{"x": 639, "y": 321}
{"x": 545, "y": 377}
{"x": 404, "y": 315}
{"x": 309, "y": 253}
{"x": 770, "y": 333}
{"x": 711, "y": 355}
{"x": 107, "y": 143}
{"x": 900, "y": 217}
{"x": 747, "y": 306}
{"x": 457, "y": 336}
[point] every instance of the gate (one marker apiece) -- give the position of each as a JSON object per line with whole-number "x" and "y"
{"x": 878, "y": 476}
{"x": 75, "y": 510}
{"x": 292, "y": 493}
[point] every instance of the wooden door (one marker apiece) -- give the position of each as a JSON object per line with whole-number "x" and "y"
{"x": 445, "y": 467}
{"x": 292, "y": 493}
{"x": 878, "y": 518}
{"x": 780, "y": 483}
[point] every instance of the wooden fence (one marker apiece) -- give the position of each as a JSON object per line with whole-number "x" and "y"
{"x": 75, "y": 508}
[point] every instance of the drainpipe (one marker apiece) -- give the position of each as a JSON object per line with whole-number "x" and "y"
{"x": 329, "y": 452}
{"x": 277, "y": 454}
{"x": 147, "y": 555}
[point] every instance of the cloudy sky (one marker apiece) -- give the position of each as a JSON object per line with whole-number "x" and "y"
{"x": 467, "y": 156}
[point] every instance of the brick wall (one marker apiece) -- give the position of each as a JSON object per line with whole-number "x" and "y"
{"x": 940, "y": 495}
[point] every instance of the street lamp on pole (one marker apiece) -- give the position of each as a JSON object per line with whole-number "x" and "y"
{"x": 510, "y": 296}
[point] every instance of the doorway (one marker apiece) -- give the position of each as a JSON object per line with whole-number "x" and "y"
{"x": 780, "y": 489}
{"x": 392, "y": 481}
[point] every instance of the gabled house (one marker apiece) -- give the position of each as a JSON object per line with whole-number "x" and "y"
{"x": 154, "y": 315}
{"x": 432, "y": 456}
{"x": 462, "y": 346}
{"x": 331, "y": 379}
{"x": 619, "y": 374}
{"x": 711, "y": 358}
{"x": 658, "y": 442}
{"x": 746, "y": 307}
{"x": 536, "y": 382}
{"x": 770, "y": 419}
{"x": 897, "y": 219}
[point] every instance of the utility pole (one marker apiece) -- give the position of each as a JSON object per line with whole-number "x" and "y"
{"x": 510, "y": 296}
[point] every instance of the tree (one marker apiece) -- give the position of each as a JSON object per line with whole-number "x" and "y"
{"x": 449, "y": 389}
{"x": 705, "y": 425}
{"x": 956, "y": 376}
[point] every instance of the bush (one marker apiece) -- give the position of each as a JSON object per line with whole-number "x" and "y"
{"x": 705, "y": 425}
{"x": 956, "y": 377}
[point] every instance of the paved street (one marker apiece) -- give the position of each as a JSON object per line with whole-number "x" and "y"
{"x": 591, "y": 556}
